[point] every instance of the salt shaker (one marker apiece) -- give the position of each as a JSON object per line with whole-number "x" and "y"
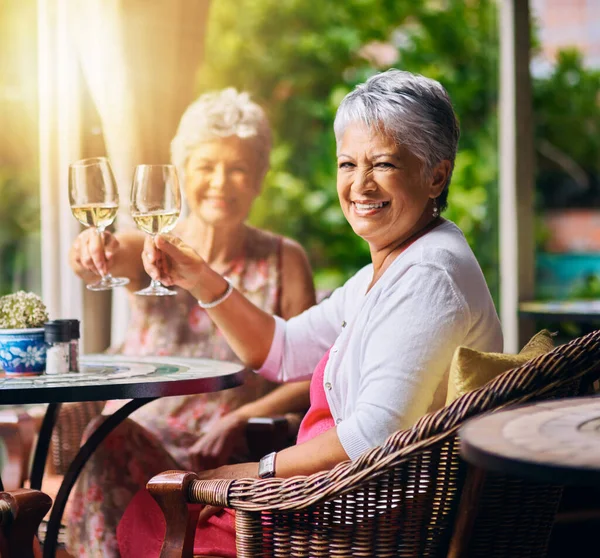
{"x": 57, "y": 335}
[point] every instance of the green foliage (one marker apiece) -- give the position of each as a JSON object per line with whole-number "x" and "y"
{"x": 588, "y": 289}
{"x": 19, "y": 224}
{"x": 567, "y": 119}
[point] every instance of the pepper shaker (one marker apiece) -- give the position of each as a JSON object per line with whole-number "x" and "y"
{"x": 74, "y": 346}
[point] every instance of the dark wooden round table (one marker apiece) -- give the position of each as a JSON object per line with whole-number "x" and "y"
{"x": 553, "y": 441}
{"x": 104, "y": 377}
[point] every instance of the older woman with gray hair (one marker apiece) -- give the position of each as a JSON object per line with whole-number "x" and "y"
{"x": 379, "y": 348}
{"x": 222, "y": 149}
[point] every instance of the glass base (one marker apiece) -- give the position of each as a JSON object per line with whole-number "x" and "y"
{"x": 108, "y": 282}
{"x": 155, "y": 290}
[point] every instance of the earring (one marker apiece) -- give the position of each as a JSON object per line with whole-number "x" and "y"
{"x": 436, "y": 211}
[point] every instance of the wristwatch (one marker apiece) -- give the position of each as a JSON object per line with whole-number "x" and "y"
{"x": 266, "y": 466}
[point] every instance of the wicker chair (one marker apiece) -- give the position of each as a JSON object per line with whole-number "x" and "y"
{"x": 21, "y": 512}
{"x": 400, "y": 499}
{"x": 68, "y": 430}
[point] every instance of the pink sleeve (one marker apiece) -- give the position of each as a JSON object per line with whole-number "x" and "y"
{"x": 271, "y": 368}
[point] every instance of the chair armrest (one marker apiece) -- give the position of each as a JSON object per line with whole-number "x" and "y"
{"x": 299, "y": 492}
{"x": 21, "y": 512}
{"x": 170, "y": 491}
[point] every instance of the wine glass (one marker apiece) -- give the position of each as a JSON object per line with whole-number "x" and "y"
{"x": 155, "y": 208}
{"x": 94, "y": 200}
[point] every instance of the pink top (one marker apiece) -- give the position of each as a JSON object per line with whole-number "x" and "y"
{"x": 318, "y": 418}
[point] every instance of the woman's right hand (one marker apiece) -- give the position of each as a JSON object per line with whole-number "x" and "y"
{"x": 92, "y": 256}
{"x": 171, "y": 261}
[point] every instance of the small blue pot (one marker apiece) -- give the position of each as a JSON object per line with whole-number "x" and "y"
{"x": 23, "y": 351}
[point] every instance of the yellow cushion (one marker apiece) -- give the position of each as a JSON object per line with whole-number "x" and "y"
{"x": 472, "y": 369}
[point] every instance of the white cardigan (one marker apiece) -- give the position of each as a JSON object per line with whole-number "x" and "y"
{"x": 391, "y": 347}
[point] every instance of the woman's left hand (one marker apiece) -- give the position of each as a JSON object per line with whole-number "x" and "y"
{"x": 215, "y": 447}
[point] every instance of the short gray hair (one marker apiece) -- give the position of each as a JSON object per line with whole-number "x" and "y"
{"x": 413, "y": 109}
{"x": 221, "y": 114}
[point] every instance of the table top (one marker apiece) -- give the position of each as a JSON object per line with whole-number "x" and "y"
{"x": 554, "y": 441}
{"x": 105, "y": 377}
{"x": 573, "y": 310}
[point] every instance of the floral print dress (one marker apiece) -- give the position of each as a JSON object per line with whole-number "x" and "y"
{"x": 157, "y": 436}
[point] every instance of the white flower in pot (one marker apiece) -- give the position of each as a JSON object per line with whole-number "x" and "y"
{"x": 22, "y": 345}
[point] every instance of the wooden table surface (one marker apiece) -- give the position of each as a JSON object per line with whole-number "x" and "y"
{"x": 553, "y": 441}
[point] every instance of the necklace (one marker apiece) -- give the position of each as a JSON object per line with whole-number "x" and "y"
{"x": 418, "y": 234}
{"x": 405, "y": 244}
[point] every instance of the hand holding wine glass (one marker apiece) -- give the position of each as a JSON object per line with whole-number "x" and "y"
{"x": 94, "y": 200}
{"x": 155, "y": 208}
{"x": 171, "y": 261}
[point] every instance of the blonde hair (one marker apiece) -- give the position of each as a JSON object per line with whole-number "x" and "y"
{"x": 221, "y": 114}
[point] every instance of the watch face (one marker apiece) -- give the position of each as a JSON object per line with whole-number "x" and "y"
{"x": 266, "y": 466}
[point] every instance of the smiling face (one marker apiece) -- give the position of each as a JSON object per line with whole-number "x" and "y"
{"x": 222, "y": 179}
{"x": 383, "y": 191}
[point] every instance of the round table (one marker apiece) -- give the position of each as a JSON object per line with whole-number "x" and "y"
{"x": 553, "y": 441}
{"x": 103, "y": 377}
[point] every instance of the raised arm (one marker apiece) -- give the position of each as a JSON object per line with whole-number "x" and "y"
{"x": 248, "y": 329}
{"x": 293, "y": 347}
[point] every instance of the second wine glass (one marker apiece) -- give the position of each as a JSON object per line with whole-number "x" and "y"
{"x": 155, "y": 208}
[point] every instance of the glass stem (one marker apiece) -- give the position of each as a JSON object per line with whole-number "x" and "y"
{"x": 154, "y": 283}
{"x": 100, "y": 232}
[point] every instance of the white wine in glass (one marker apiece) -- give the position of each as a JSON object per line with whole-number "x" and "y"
{"x": 155, "y": 208}
{"x": 94, "y": 200}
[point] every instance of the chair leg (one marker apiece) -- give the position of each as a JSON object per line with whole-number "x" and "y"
{"x": 169, "y": 489}
{"x": 467, "y": 512}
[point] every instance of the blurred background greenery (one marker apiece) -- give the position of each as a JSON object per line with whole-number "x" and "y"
{"x": 299, "y": 61}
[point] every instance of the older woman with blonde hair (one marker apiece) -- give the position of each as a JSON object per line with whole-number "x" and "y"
{"x": 222, "y": 150}
{"x": 379, "y": 348}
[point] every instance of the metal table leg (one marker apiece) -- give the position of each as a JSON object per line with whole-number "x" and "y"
{"x": 42, "y": 446}
{"x": 84, "y": 453}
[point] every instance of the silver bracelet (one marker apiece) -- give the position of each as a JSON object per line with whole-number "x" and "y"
{"x": 223, "y": 297}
